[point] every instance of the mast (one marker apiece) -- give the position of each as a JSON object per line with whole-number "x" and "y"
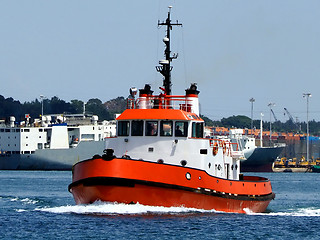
{"x": 261, "y": 130}
{"x": 165, "y": 68}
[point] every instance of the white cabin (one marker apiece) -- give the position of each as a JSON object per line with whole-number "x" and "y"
{"x": 62, "y": 133}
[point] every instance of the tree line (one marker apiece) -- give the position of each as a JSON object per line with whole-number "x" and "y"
{"x": 10, "y": 107}
{"x": 107, "y": 110}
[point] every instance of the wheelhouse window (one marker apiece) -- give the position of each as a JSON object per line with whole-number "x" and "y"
{"x": 197, "y": 130}
{"x": 137, "y": 128}
{"x": 151, "y": 128}
{"x": 166, "y": 128}
{"x": 181, "y": 129}
{"x": 123, "y": 128}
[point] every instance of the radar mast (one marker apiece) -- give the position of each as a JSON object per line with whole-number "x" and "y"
{"x": 165, "y": 68}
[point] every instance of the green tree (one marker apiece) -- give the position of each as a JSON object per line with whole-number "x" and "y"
{"x": 236, "y": 121}
{"x": 95, "y": 106}
{"x": 207, "y": 120}
{"x": 33, "y": 108}
{"x": 117, "y": 105}
{"x": 77, "y": 105}
{"x": 10, "y": 107}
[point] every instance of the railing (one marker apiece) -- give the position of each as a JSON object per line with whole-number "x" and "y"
{"x": 228, "y": 148}
{"x": 161, "y": 102}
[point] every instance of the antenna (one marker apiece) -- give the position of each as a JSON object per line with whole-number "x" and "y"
{"x": 165, "y": 68}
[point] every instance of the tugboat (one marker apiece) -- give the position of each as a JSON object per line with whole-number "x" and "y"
{"x": 161, "y": 158}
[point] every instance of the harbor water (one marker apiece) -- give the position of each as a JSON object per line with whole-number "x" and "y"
{"x": 37, "y": 205}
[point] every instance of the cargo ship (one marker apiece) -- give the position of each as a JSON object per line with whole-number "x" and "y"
{"x": 261, "y": 159}
{"x": 54, "y": 142}
{"x": 160, "y": 156}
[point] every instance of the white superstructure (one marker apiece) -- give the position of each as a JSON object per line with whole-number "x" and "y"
{"x": 51, "y": 132}
{"x": 246, "y": 143}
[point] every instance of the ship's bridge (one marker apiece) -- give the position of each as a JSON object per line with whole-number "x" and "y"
{"x": 163, "y": 122}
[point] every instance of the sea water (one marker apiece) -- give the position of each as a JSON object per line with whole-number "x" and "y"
{"x": 37, "y": 205}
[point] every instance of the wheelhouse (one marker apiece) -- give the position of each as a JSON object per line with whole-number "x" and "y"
{"x": 160, "y": 128}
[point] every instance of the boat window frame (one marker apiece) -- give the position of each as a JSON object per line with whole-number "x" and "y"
{"x": 184, "y": 131}
{"x": 166, "y": 133}
{"x": 121, "y": 131}
{"x": 137, "y": 128}
{"x": 197, "y": 129}
{"x": 151, "y": 128}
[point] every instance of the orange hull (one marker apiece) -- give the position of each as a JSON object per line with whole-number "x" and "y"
{"x": 148, "y": 183}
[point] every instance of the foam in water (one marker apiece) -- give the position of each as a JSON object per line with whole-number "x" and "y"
{"x": 247, "y": 211}
{"x": 117, "y": 208}
{"x": 103, "y": 208}
{"x": 24, "y": 200}
{"x": 20, "y": 210}
{"x": 303, "y": 212}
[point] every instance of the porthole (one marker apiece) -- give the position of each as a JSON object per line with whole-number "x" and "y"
{"x": 209, "y": 165}
{"x": 188, "y": 176}
{"x": 160, "y": 161}
{"x": 236, "y": 166}
{"x": 232, "y": 167}
{"x": 219, "y": 167}
{"x": 183, "y": 162}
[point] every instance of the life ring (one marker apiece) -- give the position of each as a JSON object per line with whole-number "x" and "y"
{"x": 224, "y": 147}
{"x": 215, "y": 149}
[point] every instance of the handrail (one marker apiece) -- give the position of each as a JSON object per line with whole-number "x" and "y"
{"x": 161, "y": 102}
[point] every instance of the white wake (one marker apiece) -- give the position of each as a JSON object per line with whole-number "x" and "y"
{"x": 120, "y": 209}
{"x": 302, "y": 212}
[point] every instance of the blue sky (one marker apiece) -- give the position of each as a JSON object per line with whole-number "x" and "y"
{"x": 234, "y": 50}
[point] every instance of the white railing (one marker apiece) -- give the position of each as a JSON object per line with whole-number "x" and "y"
{"x": 161, "y": 102}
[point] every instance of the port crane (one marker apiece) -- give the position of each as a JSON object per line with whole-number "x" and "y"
{"x": 275, "y": 118}
{"x": 291, "y": 118}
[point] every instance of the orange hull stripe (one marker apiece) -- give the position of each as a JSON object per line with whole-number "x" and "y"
{"x": 168, "y": 174}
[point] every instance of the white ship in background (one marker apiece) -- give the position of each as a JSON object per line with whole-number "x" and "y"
{"x": 258, "y": 158}
{"x": 55, "y": 142}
